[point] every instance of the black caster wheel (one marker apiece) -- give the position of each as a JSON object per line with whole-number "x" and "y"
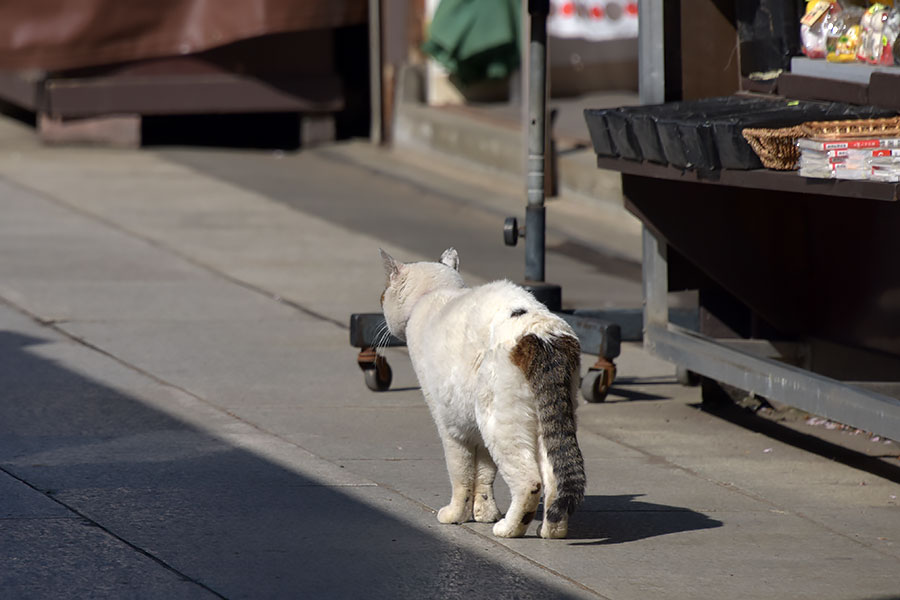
{"x": 378, "y": 378}
{"x": 511, "y": 231}
{"x": 376, "y": 370}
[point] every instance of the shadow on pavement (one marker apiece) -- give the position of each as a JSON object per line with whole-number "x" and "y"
{"x": 602, "y": 262}
{"x": 805, "y": 441}
{"x": 618, "y": 393}
{"x": 210, "y": 516}
{"x": 619, "y": 519}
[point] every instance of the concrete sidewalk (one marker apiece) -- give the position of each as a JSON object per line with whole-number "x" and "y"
{"x": 182, "y": 416}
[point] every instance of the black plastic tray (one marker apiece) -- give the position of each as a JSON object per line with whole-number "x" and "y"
{"x": 599, "y": 131}
{"x": 647, "y": 129}
{"x": 705, "y": 134}
{"x": 618, "y": 122}
{"x": 631, "y": 131}
{"x": 687, "y": 138}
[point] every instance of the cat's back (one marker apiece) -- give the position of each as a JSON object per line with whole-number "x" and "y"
{"x": 473, "y": 331}
{"x": 494, "y": 297}
{"x": 501, "y": 312}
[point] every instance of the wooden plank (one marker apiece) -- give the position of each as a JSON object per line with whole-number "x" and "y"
{"x": 22, "y": 88}
{"x": 709, "y": 56}
{"x": 122, "y": 131}
{"x": 175, "y": 94}
{"x": 803, "y": 87}
{"x": 763, "y": 179}
{"x": 803, "y": 265}
{"x": 884, "y": 90}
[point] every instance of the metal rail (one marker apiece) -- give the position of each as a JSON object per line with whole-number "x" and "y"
{"x": 842, "y": 402}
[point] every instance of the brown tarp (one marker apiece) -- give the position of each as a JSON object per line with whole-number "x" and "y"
{"x": 65, "y": 34}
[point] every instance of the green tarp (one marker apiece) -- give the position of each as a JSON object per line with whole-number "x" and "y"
{"x": 476, "y": 39}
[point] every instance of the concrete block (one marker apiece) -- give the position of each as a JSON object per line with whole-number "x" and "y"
{"x": 121, "y": 131}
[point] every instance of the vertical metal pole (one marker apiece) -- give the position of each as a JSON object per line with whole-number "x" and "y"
{"x": 375, "y": 131}
{"x": 652, "y": 88}
{"x": 655, "y": 281}
{"x": 535, "y": 224}
{"x": 651, "y": 52}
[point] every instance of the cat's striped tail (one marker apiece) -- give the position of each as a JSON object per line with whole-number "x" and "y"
{"x": 551, "y": 366}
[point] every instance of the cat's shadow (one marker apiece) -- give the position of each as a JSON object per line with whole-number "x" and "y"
{"x": 605, "y": 520}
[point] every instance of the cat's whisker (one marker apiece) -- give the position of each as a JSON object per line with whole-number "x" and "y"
{"x": 379, "y": 337}
{"x": 382, "y": 336}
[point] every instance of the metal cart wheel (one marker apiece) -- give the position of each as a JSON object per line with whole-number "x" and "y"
{"x": 378, "y": 379}
{"x": 376, "y": 370}
{"x": 599, "y": 378}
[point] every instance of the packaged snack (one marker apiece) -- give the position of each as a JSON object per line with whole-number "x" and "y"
{"x": 879, "y": 28}
{"x": 890, "y": 37}
{"x": 815, "y": 24}
{"x": 843, "y": 35}
{"x": 845, "y": 46}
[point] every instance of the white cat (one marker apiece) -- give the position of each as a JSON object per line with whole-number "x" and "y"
{"x": 500, "y": 374}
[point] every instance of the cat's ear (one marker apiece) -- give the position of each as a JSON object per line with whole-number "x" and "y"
{"x": 391, "y": 266}
{"x": 450, "y": 258}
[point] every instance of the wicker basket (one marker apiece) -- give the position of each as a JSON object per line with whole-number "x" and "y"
{"x": 776, "y": 148}
{"x": 829, "y": 130}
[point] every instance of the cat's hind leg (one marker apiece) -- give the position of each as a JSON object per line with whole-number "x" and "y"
{"x": 525, "y": 489}
{"x": 485, "y": 509}
{"x": 460, "y": 459}
{"x": 512, "y": 445}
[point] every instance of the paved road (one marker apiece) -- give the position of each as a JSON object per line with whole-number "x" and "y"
{"x": 182, "y": 416}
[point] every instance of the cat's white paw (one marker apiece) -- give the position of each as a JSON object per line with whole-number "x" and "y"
{"x": 486, "y": 511}
{"x": 554, "y": 531}
{"x": 454, "y": 514}
{"x": 508, "y": 529}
